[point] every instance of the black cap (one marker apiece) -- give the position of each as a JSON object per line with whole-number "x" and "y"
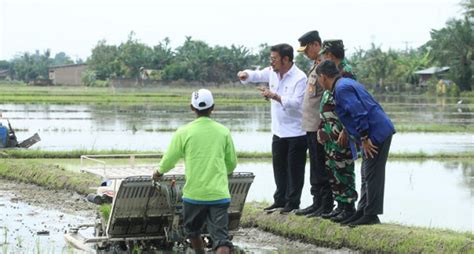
{"x": 332, "y": 46}
{"x": 307, "y": 38}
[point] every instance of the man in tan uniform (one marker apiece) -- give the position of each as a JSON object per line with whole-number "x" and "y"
{"x": 310, "y": 45}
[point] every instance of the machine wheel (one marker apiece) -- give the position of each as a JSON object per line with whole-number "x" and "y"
{"x": 98, "y": 231}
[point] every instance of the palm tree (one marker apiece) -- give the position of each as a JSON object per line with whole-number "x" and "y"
{"x": 453, "y": 46}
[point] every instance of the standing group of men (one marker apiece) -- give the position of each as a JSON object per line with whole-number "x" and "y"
{"x": 327, "y": 112}
{"x": 332, "y": 116}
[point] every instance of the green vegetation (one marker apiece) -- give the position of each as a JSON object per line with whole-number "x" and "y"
{"x": 440, "y": 128}
{"x": 76, "y": 154}
{"x": 201, "y": 63}
{"x": 161, "y": 95}
{"x": 28, "y": 67}
{"x": 51, "y": 176}
{"x": 97, "y": 95}
{"x": 384, "y": 238}
{"x": 452, "y": 46}
{"x": 104, "y": 211}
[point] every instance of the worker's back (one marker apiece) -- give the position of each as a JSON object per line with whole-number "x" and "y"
{"x": 209, "y": 156}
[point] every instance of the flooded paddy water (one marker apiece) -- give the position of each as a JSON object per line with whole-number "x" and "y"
{"x": 429, "y": 193}
{"x": 71, "y": 127}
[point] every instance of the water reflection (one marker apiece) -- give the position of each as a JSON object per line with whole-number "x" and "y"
{"x": 66, "y": 127}
{"x": 423, "y": 193}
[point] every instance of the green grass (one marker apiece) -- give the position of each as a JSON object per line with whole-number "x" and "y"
{"x": 467, "y": 94}
{"x": 159, "y": 95}
{"x": 76, "y": 154}
{"x": 49, "y": 175}
{"x": 431, "y": 128}
{"x": 440, "y": 155}
{"x": 104, "y": 211}
{"x": 21, "y": 94}
{"x": 439, "y": 128}
{"x": 73, "y": 154}
{"x": 384, "y": 238}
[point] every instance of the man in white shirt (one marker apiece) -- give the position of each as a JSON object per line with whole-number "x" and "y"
{"x": 286, "y": 91}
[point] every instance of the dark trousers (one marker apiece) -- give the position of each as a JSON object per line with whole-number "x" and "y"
{"x": 216, "y": 218}
{"x": 289, "y": 159}
{"x": 373, "y": 180}
{"x": 318, "y": 175}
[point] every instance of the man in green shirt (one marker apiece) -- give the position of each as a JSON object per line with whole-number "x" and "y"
{"x": 209, "y": 157}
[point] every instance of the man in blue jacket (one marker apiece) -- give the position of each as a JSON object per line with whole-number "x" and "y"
{"x": 370, "y": 129}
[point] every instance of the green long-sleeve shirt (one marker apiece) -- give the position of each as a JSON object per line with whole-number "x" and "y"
{"x": 209, "y": 157}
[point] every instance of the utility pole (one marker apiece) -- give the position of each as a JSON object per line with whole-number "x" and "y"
{"x": 406, "y": 45}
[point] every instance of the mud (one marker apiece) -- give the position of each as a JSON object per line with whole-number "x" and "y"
{"x": 34, "y": 219}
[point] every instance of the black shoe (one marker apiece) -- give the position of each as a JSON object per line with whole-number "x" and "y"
{"x": 305, "y": 211}
{"x": 348, "y": 210}
{"x": 357, "y": 215}
{"x": 313, "y": 214}
{"x": 322, "y": 210}
{"x": 288, "y": 209}
{"x": 335, "y": 212}
{"x": 272, "y": 207}
{"x": 331, "y": 214}
{"x": 365, "y": 220}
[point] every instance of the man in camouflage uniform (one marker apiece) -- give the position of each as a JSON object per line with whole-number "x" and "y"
{"x": 338, "y": 155}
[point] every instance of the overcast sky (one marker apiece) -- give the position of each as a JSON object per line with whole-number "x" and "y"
{"x": 75, "y": 26}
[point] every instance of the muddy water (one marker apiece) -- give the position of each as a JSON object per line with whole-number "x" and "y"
{"x": 34, "y": 219}
{"x": 67, "y": 127}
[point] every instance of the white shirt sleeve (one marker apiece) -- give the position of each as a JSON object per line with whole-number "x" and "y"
{"x": 260, "y": 76}
{"x": 295, "y": 100}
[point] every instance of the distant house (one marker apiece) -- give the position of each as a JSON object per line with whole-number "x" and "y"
{"x": 426, "y": 74}
{"x": 147, "y": 74}
{"x": 70, "y": 74}
{"x": 4, "y": 74}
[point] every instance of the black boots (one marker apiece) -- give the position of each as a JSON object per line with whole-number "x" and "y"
{"x": 310, "y": 209}
{"x": 288, "y": 209}
{"x": 273, "y": 207}
{"x": 365, "y": 220}
{"x": 335, "y": 212}
{"x": 348, "y": 210}
{"x": 357, "y": 215}
{"x": 327, "y": 204}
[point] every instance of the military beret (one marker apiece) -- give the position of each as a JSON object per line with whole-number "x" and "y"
{"x": 331, "y": 46}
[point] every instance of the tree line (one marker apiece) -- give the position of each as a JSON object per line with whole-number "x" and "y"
{"x": 196, "y": 60}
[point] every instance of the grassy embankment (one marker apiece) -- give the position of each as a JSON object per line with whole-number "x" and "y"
{"x": 75, "y": 154}
{"x": 415, "y": 127}
{"x": 386, "y": 238}
{"x": 21, "y": 94}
